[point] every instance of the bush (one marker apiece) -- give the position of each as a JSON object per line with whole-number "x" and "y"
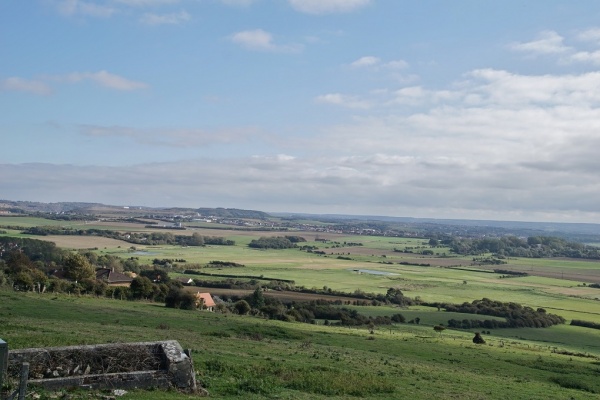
{"x": 398, "y": 318}
{"x": 178, "y": 298}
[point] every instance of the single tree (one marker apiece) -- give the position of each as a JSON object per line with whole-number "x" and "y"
{"x": 242, "y": 307}
{"x": 77, "y": 268}
{"x": 258, "y": 299}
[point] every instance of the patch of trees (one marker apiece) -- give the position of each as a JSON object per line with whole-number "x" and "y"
{"x": 511, "y": 273}
{"x": 295, "y": 239}
{"x": 532, "y": 247}
{"x": 35, "y": 250}
{"x": 516, "y": 315}
{"x": 179, "y": 298}
{"x": 488, "y": 261}
{"x": 585, "y": 324}
{"x": 179, "y": 228}
{"x": 594, "y": 285}
{"x": 308, "y": 312}
{"x": 13, "y": 227}
{"x": 256, "y": 277}
{"x": 218, "y": 241}
{"x": 152, "y": 238}
{"x": 167, "y": 262}
{"x": 415, "y": 264}
{"x": 278, "y": 242}
{"x": 224, "y": 264}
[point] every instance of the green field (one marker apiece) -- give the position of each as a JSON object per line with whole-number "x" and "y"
{"x": 250, "y": 357}
{"x": 247, "y": 357}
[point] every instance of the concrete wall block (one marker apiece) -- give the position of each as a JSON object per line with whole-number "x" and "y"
{"x": 171, "y": 366}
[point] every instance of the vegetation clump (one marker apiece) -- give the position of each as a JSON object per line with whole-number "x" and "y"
{"x": 516, "y": 315}
{"x": 478, "y": 339}
{"x": 586, "y": 324}
{"x": 278, "y": 242}
{"x": 512, "y": 246}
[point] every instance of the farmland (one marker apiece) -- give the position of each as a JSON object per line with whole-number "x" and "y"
{"x": 256, "y": 358}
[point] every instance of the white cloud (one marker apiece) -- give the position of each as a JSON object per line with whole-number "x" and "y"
{"x": 327, "y": 6}
{"x": 590, "y": 35}
{"x": 396, "y": 64}
{"x": 165, "y": 19}
{"x": 260, "y": 40}
{"x": 25, "y": 85}
{"x": 342, "y": 100}
{"x": 592, "y": 57}
{"x": 104, "y": 78}
{"x": 367, "y": 61}
{"x": 548, "y": 42}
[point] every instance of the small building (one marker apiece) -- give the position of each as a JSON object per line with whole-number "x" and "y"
{"x": 113, "y": 278}
{"x": 185, "y": 280}
{"x": 205, "y": 301}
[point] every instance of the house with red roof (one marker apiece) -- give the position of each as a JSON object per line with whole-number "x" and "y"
{"x": 205, "y": 301}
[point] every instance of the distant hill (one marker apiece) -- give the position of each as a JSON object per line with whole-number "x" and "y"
{"x": 28, "y": 207}
{"x": 19, "y": 207}
{"x": 576, "y": 231}
{"x": 233, "y": 213}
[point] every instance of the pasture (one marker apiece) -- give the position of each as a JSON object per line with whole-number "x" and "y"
{"x": 553, "y": 284}
{"x": 248, "y": 357}
{"x": 254, "y": 358}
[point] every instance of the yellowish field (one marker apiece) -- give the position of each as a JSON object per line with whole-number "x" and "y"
{"x": 84, "y": 242}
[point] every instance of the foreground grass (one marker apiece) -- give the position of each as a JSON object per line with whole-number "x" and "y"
{"x": 246, "y": 357}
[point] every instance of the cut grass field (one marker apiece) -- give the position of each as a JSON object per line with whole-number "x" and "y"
{"x": 252, "y": 358}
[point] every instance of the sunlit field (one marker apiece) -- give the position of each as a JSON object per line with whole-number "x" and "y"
{"x": 403, "y": 359}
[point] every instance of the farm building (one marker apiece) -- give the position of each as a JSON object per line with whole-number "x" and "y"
{"x": 205, "y": 301}
{"x": 185, "y": 281}
{"x": 113, "y": 278}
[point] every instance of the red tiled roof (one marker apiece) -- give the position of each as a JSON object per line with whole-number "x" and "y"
{"x": 207, "y": 300}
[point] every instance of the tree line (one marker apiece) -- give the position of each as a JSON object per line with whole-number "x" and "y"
{"x": 512, "y": 246}
{"x": 148, "y": 238}
{"x": 516, "y": 315}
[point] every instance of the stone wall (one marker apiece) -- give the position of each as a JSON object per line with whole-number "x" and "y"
{"x": 142, "y": 365}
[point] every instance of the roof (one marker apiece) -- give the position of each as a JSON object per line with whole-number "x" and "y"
{"x": 110, "y": 276}
{"x": 207, "y": 300}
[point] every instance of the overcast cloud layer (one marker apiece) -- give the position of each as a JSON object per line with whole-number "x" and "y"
{"x": 337, "y": 106}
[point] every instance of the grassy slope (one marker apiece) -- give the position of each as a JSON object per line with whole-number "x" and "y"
{"x": 246, "y": 357}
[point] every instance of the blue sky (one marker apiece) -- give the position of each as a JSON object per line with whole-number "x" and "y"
{"x": 450, "y": 109}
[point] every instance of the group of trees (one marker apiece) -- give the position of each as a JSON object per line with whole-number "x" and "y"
{"x": 516, "y": 315}
{"x": 512, "y": 246}
{"x": 278, "y": 242}
{"x": 328, "y": 311}
{"x": 148, "y": 238}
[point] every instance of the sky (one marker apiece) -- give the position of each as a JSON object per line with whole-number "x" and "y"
{"x": 463, "y": 109}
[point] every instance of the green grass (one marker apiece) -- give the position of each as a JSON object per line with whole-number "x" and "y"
{"x": 247, "y": 357}
{"x": 244, "y": 357}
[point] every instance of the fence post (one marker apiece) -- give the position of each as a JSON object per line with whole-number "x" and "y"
{"x": 3, "y": 362}
{"x": 24, "y": 379}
